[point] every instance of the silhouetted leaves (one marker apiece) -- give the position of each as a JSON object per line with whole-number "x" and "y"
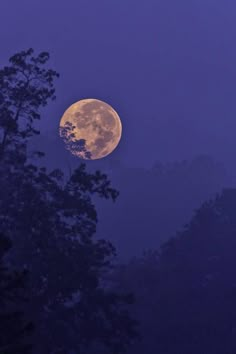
{"x": 76, "y": 146}
{"x": 52, "y": 221}
{"x": 25, "y": 86}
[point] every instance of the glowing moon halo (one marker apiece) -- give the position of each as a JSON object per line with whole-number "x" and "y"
{"x": 91, "y": 129}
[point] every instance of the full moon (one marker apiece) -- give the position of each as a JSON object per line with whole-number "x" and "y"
{"x": 91, "y": 129}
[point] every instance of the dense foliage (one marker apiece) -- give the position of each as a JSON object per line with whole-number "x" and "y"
{"x": 15, "y": 331}
{"x": 51, "y": 221}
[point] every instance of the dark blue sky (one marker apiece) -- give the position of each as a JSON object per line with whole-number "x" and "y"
{"x": 168, "y": 67}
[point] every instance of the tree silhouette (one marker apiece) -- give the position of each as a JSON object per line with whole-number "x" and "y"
{"x": 52, "y": 222}
{"x": 25, "y": 86}
{"x": 14, "y": 330}
{"x": 76, "y": 146}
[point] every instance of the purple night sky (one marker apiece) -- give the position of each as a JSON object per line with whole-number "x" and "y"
{"x": 168, "y": 67}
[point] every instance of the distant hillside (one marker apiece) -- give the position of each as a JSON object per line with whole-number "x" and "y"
{"x": 153, "y": 203}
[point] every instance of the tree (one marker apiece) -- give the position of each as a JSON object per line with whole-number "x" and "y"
{"x": 14, "y": 329}
{"x": 52, "y": 222}
{"x": 25, "y": 86}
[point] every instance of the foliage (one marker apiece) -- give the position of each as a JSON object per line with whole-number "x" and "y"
{"x": 52, "y": 222}
{"x": 13, "y": 327}
{"x": 76, "y": 146}
{"x": 25, "y": 86}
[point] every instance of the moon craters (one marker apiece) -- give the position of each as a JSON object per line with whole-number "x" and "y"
{"x": 96, "y": 124}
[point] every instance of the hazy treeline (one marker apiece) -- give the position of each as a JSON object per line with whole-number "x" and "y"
{"x": 154, "y": 202}
{"x": 186, "y": 291}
